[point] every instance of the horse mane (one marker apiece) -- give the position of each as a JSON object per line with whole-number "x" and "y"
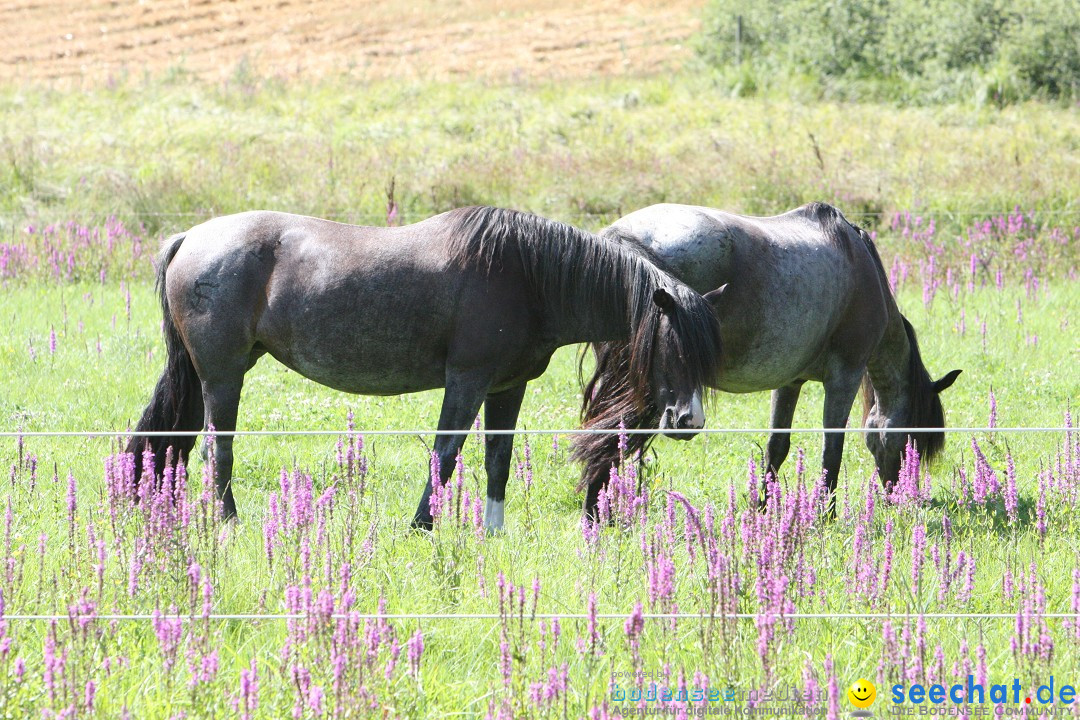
{"x": 618, "y": 393}
{"x": 563, "y": 264}
{"x": 584, "y": 272}
{"x": 924, "y": 405}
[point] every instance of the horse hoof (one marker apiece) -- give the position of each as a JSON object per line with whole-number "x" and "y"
{"x": 422, "y": 524}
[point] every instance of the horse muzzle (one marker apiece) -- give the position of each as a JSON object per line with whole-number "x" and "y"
{"x": 691, "y": 417}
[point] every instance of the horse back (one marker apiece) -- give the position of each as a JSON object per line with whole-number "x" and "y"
{"x": 801, "y": 286}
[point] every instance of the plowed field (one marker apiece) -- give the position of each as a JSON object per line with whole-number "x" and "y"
{"x": 96, "y": 41}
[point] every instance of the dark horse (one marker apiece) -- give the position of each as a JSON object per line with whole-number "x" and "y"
{"x": 475, "y": 300}
{"x": 806, "y": 298}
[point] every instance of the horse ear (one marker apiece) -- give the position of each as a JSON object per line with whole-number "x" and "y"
{"x": 664, "y": 299}
{"x": 945, "y": 382}
{"x": 713, "y": 296}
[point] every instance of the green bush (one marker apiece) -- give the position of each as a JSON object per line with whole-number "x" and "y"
{"x": 908, "y": 50}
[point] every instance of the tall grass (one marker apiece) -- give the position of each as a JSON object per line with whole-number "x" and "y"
{"x": 163, "y": 156}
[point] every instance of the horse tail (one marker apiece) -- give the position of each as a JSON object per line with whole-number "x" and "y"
{"x": 176, "y": 404}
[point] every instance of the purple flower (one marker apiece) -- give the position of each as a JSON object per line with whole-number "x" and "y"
{"x": 247, "y": 699}
{"x": 834, "y": 689}
{"x": 634, "y": 626}
{"x": 918, "y": 554}
{"x": 414, "y": 649}
{"x": 1012, "y": 498}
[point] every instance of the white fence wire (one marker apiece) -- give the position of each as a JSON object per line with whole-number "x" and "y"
{"x": 381, "y": 217}
{"x": 255, "y": 617}
{"x": 576, "y": 431}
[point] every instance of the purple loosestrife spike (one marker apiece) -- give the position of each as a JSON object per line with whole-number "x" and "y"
{"x": 992, "y": 422}
{"x": 169, "y": 632}
{"x": 72, "y": 505}
{"x": 506, "y": 665}
{"x": 1012, "y": 497}
{"x": 811, "y": 689}
{"x": 752, "y": 483}
{"x": 834, "y": 690}
{"x": 459, "y": 479}
{"x": 634, "y": 626}
{"x": 414, "y": 650}
{"x": 887, "y": 559}
{"x": 594, "y": 635}
{"x": 315, "y": 700}
{"x": 918, "y": 554}
{"x": 938, "y": 671}
{"x": 527, "y": 452}
{"x": 435, "y": 502}
{"x": 969, "y": 579}
{"x": 590, "y": 530}
{"x": 247, "y": 700}
{"x": 395, "y": 653}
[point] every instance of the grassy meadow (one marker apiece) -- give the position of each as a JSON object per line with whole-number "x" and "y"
{"x": 91, "y": 180}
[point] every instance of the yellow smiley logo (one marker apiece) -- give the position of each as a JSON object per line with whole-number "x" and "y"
{"x": 862, "y": 693}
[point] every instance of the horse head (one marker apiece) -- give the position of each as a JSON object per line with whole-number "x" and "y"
{"x": 685, "y": 346}
{"x": 919, "y": 407}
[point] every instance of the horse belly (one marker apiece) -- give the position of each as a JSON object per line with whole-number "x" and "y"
{"x": 363, "y": 340}
{"x": 370, "y": 368}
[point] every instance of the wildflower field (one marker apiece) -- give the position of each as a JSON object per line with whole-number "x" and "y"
{"x": 307, "y": 607}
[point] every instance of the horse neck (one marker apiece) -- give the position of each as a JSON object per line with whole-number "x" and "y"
{"x": 603, "y": 322}
{"x": 889, "y": 366}
{"x": 608, "y": 308}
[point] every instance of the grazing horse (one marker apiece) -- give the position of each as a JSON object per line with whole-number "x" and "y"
{"x": 806, "y": 298}
{"x": 474, "y": 301}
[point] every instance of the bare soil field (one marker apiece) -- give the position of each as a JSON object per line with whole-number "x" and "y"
{"x": 75, "y": 42}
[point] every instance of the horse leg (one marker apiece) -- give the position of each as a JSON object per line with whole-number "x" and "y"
{"x": 222, "y": 400}
{"x": 500, "y": 413}
{"x": 461, "y": 402}
{"x": 841, "y": 387}
{"x": 784, "y": 400}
